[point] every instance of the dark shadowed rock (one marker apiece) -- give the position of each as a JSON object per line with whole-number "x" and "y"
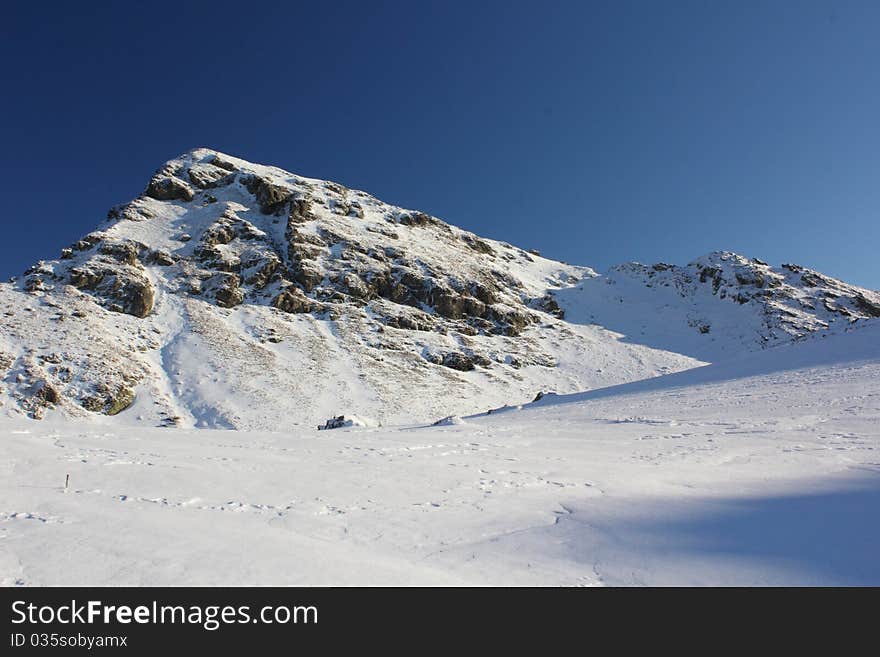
{"x": 549, "y": 305}
{"x": 867, "y": 306}
{"x": 130, "y": 294}
{"x": 160, "y": 257}
{"x": 169, "y": 189}
{"x": 258, "y": 267}
{"x": 271, "y": 197}
{"x": 126, "y": 251}
{"x": 225, "y": 288}
{"x": 292, "y": 300}
{"x": 107, "y": 400}
{"x": 458, "y": 361}
{"x": 417, "y": 219}
{"x": 209, "y": 176}
{"x": 300, "y": 212}
{"x": 477, "y": 244}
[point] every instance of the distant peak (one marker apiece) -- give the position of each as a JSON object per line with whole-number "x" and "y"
{"x": 720, "y": 257}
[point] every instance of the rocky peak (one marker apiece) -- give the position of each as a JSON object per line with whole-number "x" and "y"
{"x": 214, "y": 241}
{"x": 792, "y": 300}
{"x": 254, "y": 234}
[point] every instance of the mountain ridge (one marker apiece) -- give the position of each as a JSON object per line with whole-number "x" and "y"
{"x": 236, "y": 295}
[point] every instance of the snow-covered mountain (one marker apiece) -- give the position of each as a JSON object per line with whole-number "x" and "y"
{"x": 734, "y": 303}
{"x": 236, "y": 295}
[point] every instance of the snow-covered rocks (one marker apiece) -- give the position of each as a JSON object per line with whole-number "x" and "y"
{"x": 342, "y": 421}
{"x": 236, "y": 295}
{"x": 718, "y": 305}
{"x": 169, "y": 188}
{"x": 448, "y": 421}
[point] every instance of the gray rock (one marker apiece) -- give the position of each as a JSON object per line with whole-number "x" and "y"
{"x": 458, "y": 361}
{"x": 271, "y": 197}
{"x": 169, "y": 189}
{"x": 292, "y": 300}
{"x": 209, "y": 176}
{"x": 225, "y": 289}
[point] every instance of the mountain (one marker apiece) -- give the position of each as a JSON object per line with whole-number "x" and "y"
{"x": 735, "y": 303}
{"x": 235, "y": 295}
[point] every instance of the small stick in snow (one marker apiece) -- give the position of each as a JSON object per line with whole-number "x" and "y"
{"x": 66, "y": 482}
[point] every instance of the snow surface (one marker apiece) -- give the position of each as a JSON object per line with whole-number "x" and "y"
{"x": 760, "y": 471}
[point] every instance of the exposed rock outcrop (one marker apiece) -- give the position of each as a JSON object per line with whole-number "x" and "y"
{"x": 169, "y": 188}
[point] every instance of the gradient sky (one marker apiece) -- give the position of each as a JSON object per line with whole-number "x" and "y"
{"x": 596, "y": 132}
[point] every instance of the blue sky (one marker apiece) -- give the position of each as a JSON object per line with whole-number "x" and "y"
{"x": 596, "y": 132}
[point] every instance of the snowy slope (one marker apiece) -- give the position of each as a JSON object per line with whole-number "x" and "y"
{"x": 719, "y": 305}
{"x": 762, "y": 471}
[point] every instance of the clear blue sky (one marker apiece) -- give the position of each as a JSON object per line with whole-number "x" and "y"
{"x": 596, "y": 132}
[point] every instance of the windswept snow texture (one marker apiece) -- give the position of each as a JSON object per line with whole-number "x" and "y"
{"x": 760, "y": 471}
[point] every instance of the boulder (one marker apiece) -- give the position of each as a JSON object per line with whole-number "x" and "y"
{"x": 161, "y": 258}
{"x": 225, "y": 288}
{"x": 209, "y": 176}
{"x": 219, "y": 161}
{"x": 109, "y": 401}
{"x": 417, "y": 219}
{"x": 478, "y": 245}
{"x": 258, "y": 267}
{"x": 272, "y": 197}
{"x": 292, "y": 300}
{"x": 549, "y": 305}
{"x": 458, "y": 361}
{"x": 169, "y": 188}
{"x": 300, "y": 212}
{"x": 126, "y": 251}
{"x": 133, "y": 294}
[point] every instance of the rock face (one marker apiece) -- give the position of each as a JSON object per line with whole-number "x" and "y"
{"x": 169, "y": 189}
{"x": 111, "y": 270}
{"x": 322, "y": 245}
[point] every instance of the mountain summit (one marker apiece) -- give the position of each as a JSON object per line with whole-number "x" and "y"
{"x": 236, "y": 295}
